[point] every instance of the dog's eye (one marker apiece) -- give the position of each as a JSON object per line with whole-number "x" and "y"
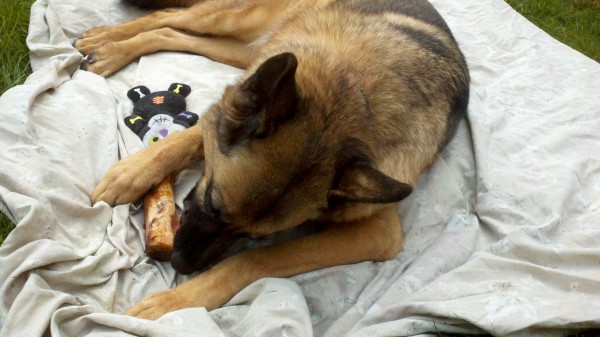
{"x": 208, "y": 206}
{"x": 211, "y": 205}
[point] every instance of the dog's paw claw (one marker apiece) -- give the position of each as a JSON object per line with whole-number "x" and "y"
{"x": 91, "y": 57}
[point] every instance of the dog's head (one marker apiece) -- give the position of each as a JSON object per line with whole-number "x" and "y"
{"x": 271, "y": 164}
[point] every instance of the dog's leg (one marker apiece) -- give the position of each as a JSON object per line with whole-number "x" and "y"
{"x": 376, "y": 238}
{"x": 234, "y": 25}
{"x": 130, "y": 178}
{"x": 244, "y": 20}
{"x": 115, "y": 55}
{"x": 99, "y": 36}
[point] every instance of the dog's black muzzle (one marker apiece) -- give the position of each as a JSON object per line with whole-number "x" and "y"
{"x": 200, "y": 240}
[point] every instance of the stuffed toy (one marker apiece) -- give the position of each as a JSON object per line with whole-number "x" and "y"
{"x": 158, "y": 114}
{"x": 155, "y": 116}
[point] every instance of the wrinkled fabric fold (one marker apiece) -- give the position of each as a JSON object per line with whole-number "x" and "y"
{"x": 502, "y": 232}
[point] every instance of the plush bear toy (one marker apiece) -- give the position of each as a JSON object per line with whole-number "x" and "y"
{"x": 155, "y": 116}
{"x": 158, "y": 114}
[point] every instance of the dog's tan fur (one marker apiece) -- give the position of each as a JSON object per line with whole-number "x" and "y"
{"x": 343, "y": 105}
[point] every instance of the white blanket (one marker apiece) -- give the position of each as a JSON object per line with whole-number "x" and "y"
{"x": 502, "y": 233}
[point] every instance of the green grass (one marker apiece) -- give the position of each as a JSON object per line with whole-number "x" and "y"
{"x": 6, "y": 226}
{"x": 573, "y": 22}
{"x": 14, "y": 60}
{"x": 14, "y": 55}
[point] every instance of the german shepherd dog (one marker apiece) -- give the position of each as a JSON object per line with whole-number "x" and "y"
{"x": 343, "y": 105}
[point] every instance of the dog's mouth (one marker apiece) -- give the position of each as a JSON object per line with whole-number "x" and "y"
{"x": 189, "y": 256}
{"x": 186, "y": 264}
{"x": 201, "y": 239}
{"x": 196, "y": 255}
{"x": 200, "y": 244}
{"x": 182, "y": 266}
{"x": 179, "y": 264}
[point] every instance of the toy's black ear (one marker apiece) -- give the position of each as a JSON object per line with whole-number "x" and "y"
{"x": 180, "y": 88}
{"x": 135, "y": 123}
{"x": 187, "y": 118}
{"x": 138, "y": 92}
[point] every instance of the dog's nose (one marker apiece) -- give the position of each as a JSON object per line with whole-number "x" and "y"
{"x": 180, "y": 265}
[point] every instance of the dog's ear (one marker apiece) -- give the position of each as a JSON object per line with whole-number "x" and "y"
{"x": 359, "y": 182}
{"x": 262, "y": 102}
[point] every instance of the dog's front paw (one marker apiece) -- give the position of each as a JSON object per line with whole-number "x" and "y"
{"x": 95, "y": 38}
{"x": 108, "y": 58}
{"x": 156, "y": 305}
{"x": 129, "y": 179}
{"x": 106, "y": 50}
{"x": 98, "y": 37}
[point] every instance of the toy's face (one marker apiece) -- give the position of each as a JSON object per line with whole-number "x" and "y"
{"x": 160, "y": 126}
